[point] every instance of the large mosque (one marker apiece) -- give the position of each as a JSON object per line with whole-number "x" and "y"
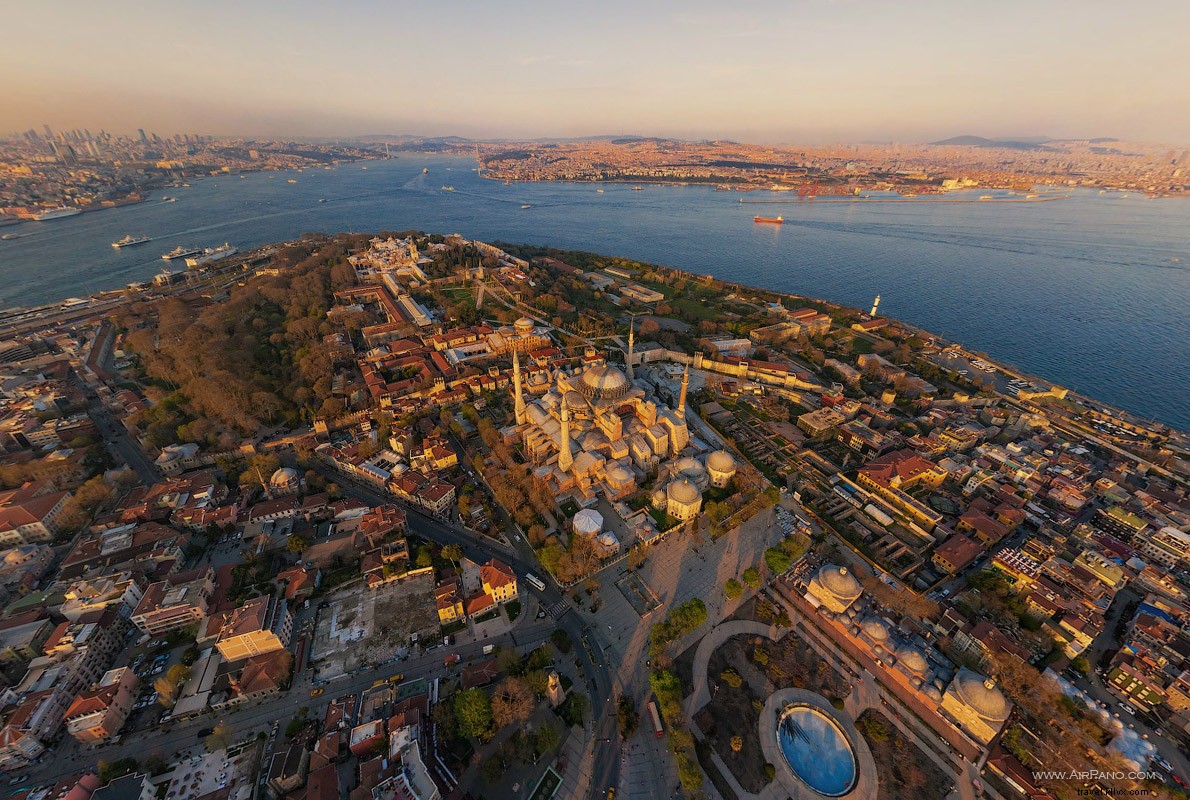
{"x": 595, "y": 430}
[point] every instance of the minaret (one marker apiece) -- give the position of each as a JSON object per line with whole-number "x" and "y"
{"x": 875, "y": 304}
{"x": 630, "y": 375}
{"x": 564, "y": 458}
{"x": 516, "y": 382}
{"x": 682, "y": 396}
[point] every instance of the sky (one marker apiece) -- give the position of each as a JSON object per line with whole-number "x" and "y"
{"x": 797, "y": 71}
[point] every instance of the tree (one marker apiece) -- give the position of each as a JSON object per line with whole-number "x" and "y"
{"x": 777, "y": 560}
{"x": 732, "y": 590}
{"x": 512, "y": 702}
{"x": 219, "y": 738}
{"x": 295, "y": 543}
{"x": 546, "y": 739}
{"x": 473, "y": 714}
{"x": 453, "y": 553}
{"x": 177, "y": 673}
{"x": 752, "y": 578}
{"x": 737, "y": 744}
{"x": 260, "y": 468}
{"x": 627, "y": 716}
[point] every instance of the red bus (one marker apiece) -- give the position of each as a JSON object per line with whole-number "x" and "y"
{"x": 658, "y": 730}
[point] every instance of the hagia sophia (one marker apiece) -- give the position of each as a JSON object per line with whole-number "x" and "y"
{"x": 970, "y": 701}
{"x": 595, "y": 430}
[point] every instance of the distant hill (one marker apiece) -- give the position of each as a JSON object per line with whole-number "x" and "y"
{"x": 1023, "y": 143}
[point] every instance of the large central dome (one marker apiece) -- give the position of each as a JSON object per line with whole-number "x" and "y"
{"x": 604, "y": 383}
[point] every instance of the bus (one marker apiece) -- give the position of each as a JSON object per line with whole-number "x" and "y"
{"x": 534, "y": 581}
{"x": 658, "y": 730}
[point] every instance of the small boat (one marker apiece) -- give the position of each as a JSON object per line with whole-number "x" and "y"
{"x": 129, "y": 241}
{"x": 169, "y": 199}
{"x": 507, "y": 183}
{"x": 448, "y": 188}
{"x": 291, "y": 180}
{"x": 185, "y": 186}
{"x": 598, "y": 191}
{"x": 363, "y": 167}
{"x": 638, "y": 188}
{"x": 322, "y": 199}
{"x": 985, "y": 197}
{"x": 425, "y": 170}
{"x": 770, "y": 220}
{"x": 8, "y": 237}
{"x": 526, "y": 205}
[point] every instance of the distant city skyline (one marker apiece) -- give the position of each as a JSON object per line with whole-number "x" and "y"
{"x": 789, "y": 72}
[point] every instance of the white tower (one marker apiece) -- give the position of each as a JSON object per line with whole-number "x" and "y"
{"x": 875, "y": 303}
{"x": 682, "y": 395}
{"x": 565, "y": 460}
{"x": 630, "y": 375}
{"x": 516, "y": 382}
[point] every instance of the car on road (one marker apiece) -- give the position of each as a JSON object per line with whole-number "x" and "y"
{"x": 400, "y": 676}
{"x": 317, "y": 692}
{"x": 205, "y": 732}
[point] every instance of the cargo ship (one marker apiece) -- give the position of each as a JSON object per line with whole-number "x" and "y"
{"x": 130, "y": 240}
{"x": 770, "y": 220}
{"x": 181, "y": 252}
{"x": 56, "y": 213}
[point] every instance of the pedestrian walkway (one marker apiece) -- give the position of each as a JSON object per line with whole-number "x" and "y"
{"x": 558, "y": 609}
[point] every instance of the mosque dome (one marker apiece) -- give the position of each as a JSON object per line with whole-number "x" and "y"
{"x": 835, "y": 587}
{"x": 683, "y": 491}
{"x": 931, "y": 692}
{"x": 981, "y": 696}
{"x": 721, "y": 461}
{"x": 911, "y": 659}
{"x": 874, "y": 629}
{"x": 691, "y": 470}
{"x": 619, "y": 475}
{"x": 574, "y": 401}
{"x": 523, "y": 326}
{"x": 283, "y": 476}
{"x": 604, "y": 383}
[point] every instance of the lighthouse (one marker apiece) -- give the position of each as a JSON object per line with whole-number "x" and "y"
{"x": 875, "y": 304}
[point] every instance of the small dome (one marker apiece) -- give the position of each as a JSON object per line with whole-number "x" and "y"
{"x": 588, "y": 522}
{"x": 932, "y": 692}
{"x": 683, "y": 492}
{"x": 690, "y": 469}
{"x": 574, "y": 401}
{"x": 523, "y": 326}
{"x": 911, "y": 659}
{"x": 619, "y": 474}
{"x": 721, "y": 461}
{"x": 284, "y": 477}
{"x": 980, "y": 695}
{"x": 874, "y": 629}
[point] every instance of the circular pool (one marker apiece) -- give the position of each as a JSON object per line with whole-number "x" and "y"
{"x": 817, "y": 750}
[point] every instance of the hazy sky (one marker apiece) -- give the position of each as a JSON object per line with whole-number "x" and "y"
{"x": 796, "y": 70}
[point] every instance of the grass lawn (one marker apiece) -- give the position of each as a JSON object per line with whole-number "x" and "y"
{"x": 514, "y": 609}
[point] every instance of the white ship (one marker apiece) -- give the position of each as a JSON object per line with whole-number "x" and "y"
{"x": 181, "y": 252}
{"x": 210, "y": 255}
{"x": 56, "y": 213}
{"x": 130, "y": 240}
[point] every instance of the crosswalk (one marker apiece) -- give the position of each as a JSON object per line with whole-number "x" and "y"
{"x": 558, "y": 609}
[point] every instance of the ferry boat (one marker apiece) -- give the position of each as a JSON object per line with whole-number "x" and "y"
{"x": 638, "y": 188}
{"x": 526, "y": 205}
{"x": 448, "y": 188}
{"x": 56, "y": 213}
{"x": 181, "y": 252}
{"x": 169, "y": 199}
{"x": 130, "y": 240}
{"x": 291, "y": 180}
{"x": 425, "y": 170}
{"x": 770, "y": 220}
{"x": 210, "y": 255}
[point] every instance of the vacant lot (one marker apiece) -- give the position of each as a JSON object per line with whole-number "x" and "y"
{"x": 363, "y": 626}
{"x": 905, "y": 772}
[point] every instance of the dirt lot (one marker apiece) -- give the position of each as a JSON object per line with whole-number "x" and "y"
{"x": 905, "y": 772}
{"x": 363, "y": 626}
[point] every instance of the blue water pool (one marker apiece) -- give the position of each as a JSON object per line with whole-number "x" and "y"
{"x": 817, "y": 750}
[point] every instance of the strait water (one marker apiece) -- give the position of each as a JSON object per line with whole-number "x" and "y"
{"x": 1092, "y": 292}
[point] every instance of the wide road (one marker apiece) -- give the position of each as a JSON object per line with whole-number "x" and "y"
{"x": 605, "y": 767}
